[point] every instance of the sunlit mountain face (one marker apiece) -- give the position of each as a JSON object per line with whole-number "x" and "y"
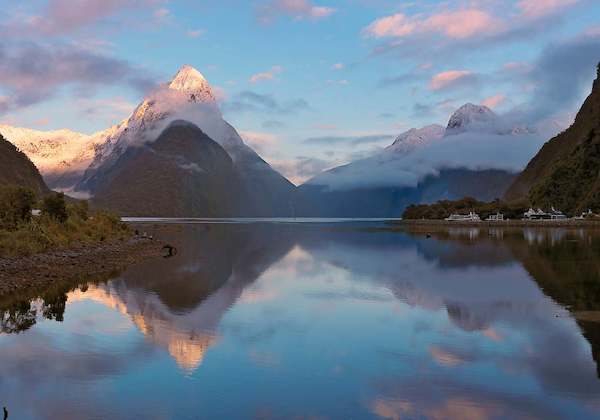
{"x": 481, "y": 321}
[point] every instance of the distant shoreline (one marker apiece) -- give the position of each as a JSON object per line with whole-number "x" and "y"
{"x": 501, "y": 223}
{"x": 390, "y": 222}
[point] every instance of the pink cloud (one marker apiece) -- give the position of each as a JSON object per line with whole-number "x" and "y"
{"x": 459, "y": 24}
{"x": 297, "y": 9}
{"x": 162, "y": 15}
{"x": 463, "y": 24}
{"x": 540, "y": 8}
{"x": 494, "y": 101}
{"x": 517, "y": 66}
{"x": 41, "y": 122}
{"x": 35, "y": 72}
{"x": 448, "y": 78}
{"x": 492, "y": 334}
{"x": 261, "y": 142}
{"x": 63, "y": 16}
{"x": 444, "y": 357}
{"x": 397, "y": 25}
{"x": 195, "y": 33}
{"x": 267, "y": 75}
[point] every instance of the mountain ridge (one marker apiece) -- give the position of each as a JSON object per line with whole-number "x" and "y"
{"x": 422, "y": 166}
{"x": 17, "y": 169}
{"x": 61, "y": 156}
{"x": 565, "y": 171}
{"x": 261, "y": 191}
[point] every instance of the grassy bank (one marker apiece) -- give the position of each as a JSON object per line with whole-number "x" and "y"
{"x": 61, "y": 225}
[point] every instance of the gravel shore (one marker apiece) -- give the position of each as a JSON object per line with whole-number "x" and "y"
{"x": 41, "y": 270}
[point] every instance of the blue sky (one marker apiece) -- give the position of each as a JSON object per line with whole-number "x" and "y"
{"x": 336, "y": 79}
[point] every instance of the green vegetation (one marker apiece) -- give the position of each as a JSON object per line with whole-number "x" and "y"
{"x": 572, "y": 185}
{"x": 61, "y": 224}
{"x": 444, "y": 208}
{"x": 15, "y": 207}
{"x": 565, "y": 172}
{"x": 55, "y": 207}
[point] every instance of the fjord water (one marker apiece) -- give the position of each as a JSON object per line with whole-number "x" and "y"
{"x": 344, "y": 320}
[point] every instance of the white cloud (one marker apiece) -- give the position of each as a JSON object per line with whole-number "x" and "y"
{"x": 474, "y": 150}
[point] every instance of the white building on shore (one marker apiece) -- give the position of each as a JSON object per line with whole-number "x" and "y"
{"x": 539, "y": 214}
{"x": 471, "y": 217}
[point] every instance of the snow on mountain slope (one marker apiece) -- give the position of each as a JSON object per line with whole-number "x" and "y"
{"x": 61, "y": 156}
{"x": 475, "y": 139}
{"x": 187, "y": 97}
{"x": 416, "y": 137}
{"x": 469, "y": 117}
{"x": 191, "y": 81}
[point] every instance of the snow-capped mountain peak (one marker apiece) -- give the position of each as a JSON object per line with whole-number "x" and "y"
{"x": 470, "y": 115}
{"x": 416, "y": 137}
{"x": 61, "y": 156}
{"x": 188, "y": 97}
{"x": 192, "y": 82}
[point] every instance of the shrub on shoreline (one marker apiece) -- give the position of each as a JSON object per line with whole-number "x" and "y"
{"x": 444, "y": 208}
{"x": 61, "y": 225}
{"x": 15, "y": 206}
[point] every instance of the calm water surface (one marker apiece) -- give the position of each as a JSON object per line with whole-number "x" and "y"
{"x": 318, "y": 321}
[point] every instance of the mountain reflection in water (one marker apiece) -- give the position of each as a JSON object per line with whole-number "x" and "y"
{"x": 280, "y": 321}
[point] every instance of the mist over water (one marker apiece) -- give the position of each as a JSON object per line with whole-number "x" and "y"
{"x": 344, "y": 320}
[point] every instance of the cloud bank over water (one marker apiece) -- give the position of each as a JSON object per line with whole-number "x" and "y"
{"x": 480, "y": 148}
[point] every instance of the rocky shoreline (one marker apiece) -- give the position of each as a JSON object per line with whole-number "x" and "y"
{"x": 74, "y": 264}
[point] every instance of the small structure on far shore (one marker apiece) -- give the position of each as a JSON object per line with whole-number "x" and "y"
{"x": 498, "y": 217}
{"x": 471, "y": 217}
{"x": 585, "y": 215}
{"x": 557, "y": 214}
{"x": 539, "y": 214}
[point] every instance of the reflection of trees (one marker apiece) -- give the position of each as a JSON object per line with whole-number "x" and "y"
{"x": 564, "y": 263}
{"x": 20, "y": 311}
{"x": 460, "y": 247}
{"x": 567, "y": 270}
{"x": 21, "y": 315}
{"x": 17, "y": 318}
{"x": 208, "y": 259}
{"x": 54, "y": 308}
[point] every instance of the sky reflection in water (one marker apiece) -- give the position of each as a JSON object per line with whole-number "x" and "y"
{"x": 277, "y": 321}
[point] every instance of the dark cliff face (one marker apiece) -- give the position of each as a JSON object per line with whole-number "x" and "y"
{"x": 182, "y": 174}
{"x": 565, "y": 171}
{"x": 17, "y": 169}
